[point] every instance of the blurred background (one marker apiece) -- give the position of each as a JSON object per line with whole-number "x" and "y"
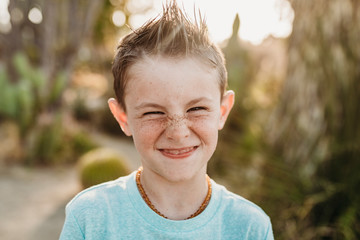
{"x": 291, "y": 144}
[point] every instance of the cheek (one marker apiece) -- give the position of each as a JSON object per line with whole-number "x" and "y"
{"x": 209, "y": 121}
{"x": 207, "y": 131}
{"x": 146, "y": 132}
{"x": 207, "y": 128}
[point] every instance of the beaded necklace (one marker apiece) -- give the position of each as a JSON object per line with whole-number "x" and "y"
{"x": 148, "y": 202}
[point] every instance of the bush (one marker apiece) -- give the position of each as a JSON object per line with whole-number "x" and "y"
{"x": 51, "y": 142}
{"x": 101, "y": 165}
{"x": 82, "y": 143}
{"x": 24, "y": 98}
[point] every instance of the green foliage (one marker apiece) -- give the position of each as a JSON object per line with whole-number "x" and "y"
{"x": 340, "y": 208}
{"x": 101, "y": 117}
{"x": 7, "y": 95}
{"x": 105, "y": 27}
{"x": 238, "y": 144}
{"x": 80, "y": 111}
{"x": 22, "y": 99}
{"x": 81, "y": 143}
{"x": 315, "y": 128}
{"x": 101, "y": 165}
{"x": 324, "y": 206}
{"x": 57, "y": 88}
{"x": 307, "y": 179}
{"x": 49, "y": 142}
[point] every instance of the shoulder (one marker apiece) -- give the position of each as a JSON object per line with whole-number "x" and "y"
{"x": 240, "y": 214}
{"x": 238, "y": 203}
{"x": 95, "y": 197}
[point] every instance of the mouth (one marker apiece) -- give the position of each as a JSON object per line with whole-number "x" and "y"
{"x": 178, "y": 152}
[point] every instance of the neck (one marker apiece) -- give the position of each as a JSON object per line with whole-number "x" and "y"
{"x": 176, "y": 200}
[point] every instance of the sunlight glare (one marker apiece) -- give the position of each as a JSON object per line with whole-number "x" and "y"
{"x": 118, "y": 18}
{"x": 4, "y": 13}
{"x": 258, "y": 18}
{"x": 35, "y": 15}
{"x": 5, "y": 25}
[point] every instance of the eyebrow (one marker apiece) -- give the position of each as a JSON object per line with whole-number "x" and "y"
{"x": 197, "y": 100}
{"x": 148, "y": 105}
{"x": 155, "y": 105}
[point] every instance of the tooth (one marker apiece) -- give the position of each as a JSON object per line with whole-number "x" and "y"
{"x": 177, "y": 152}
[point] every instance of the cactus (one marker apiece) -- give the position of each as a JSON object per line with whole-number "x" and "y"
{"x": 24, "y": 99}
{"x": 7, "y": 96}
{"x": 101, "y": 165}
{"x": 45, "y": 141}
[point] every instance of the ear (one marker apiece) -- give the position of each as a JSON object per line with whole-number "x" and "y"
{"x": 120, "y": 116}
{"x": 225, "y": 107}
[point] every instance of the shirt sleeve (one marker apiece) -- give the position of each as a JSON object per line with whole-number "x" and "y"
{"x": 269, "y": 234}
{"x": 71, "y": 229}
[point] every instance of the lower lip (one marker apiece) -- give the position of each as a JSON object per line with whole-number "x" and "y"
{"x": 180, "y": 155}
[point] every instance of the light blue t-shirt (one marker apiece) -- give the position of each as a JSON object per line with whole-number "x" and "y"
{"x": 116, "y": 210}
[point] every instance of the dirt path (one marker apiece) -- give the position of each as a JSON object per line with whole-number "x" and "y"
{"x": 32, "y": 200}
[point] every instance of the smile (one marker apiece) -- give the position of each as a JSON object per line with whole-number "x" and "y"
{"x": 178, "y": 152}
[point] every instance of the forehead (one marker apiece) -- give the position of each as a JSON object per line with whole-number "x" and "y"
{"x": 159, "y": 74}
{"x": 161, "y": 63}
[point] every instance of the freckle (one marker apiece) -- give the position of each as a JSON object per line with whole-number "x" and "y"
{"x": 176, "y": 120}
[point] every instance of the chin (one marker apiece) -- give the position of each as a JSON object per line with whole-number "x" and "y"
{"x": 181, "y": 175}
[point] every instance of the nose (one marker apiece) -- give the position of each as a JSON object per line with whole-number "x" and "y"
{"x": 177, "y": 128}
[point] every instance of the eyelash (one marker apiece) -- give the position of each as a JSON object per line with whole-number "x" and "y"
{"x": 196, "y": 109}
{"x": 190, "y": 110}
{"x": 155, "y": 112}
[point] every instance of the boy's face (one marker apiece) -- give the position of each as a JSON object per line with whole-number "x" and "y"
{"x": 174, "y": 113}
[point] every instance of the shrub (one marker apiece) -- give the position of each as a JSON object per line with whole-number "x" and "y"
{"x": 51, "y": 142}
{"x": 101, "y": 165}
{"x": 24, "y": 98}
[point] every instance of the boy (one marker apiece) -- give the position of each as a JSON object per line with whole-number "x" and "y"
{"x": 170, "y": 83}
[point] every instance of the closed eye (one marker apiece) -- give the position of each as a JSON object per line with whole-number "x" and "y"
{"x": 153, "y": 113}
{"x": 196, "y": 109}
